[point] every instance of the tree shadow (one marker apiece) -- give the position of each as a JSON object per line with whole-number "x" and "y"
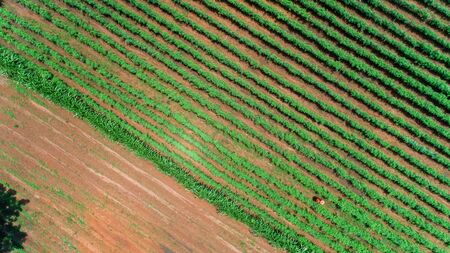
{"x": 11, "y": 236}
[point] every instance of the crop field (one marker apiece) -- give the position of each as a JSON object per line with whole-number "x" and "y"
{"x": 261, "y": 107}
{"x": 87, "y": 194}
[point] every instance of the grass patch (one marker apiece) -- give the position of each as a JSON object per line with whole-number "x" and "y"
{"x": 27, "y": 93}
{"x": 68, "y": 244}
{"x": 60, "y": 193}
{"x": 38, "y": 101}
{"x": 73, "y": 219}
{"x": 243, "y": 247}
{"x": 6, "y": 157}
{"x": 18, "y": 176}
{"x": 9, "y": 112}
{"x": 137, "y": 230}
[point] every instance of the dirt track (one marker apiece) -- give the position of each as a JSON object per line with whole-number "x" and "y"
{"x": 90, "y": 195}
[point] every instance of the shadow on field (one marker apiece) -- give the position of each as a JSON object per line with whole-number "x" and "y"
{"x": 11, "y": 237}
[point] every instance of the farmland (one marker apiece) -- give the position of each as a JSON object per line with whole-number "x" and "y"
{"x": 258, "y": 107}
{"x": 88, "y": 194}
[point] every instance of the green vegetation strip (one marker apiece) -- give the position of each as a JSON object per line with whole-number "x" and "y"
{"x": 23, "y": 71}
{"x": 365, "y": 116}
{"x": 298, "y": 131}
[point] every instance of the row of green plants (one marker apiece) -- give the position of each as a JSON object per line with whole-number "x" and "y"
{"x": 265, "y": 111}
{"x": 134, "y": 104}
{"x": 305, "y": 16}
{"x": 309, "y": 80}
{"x": 300, "y": 92}
{"x": 386, "y": 66}
{"x": 202, "y": 86}
{"x": 288, "y": 241}
{"x": 131, "y": 102}
{"x": 421, "y": 29}
{"x": 352, "y": 61}
{"x": 376, "y": 46}
{"x": 400, "y": 46}
{"x": 438, "y": 7}
{"x": 424, "y": 15}
{"x": 385, "y": 23}
{"x": 219, "y": 196}
{"x": 212, "y": 106}
{"x": 130, "y": 41}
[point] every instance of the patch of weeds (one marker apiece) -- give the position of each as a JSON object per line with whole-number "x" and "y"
{"x": 243, "y": 246}
{"x": 73, "y": 219}
{"x": 27, "y": 182}
{"x": 32, "y": 185}
{"x": 27, "y": 215}
{"x": 60, "y": 193}
{"x": 135, "y": 228}
{"x": 9, "y": 112}
{"x": 39, "y": 102}
{"x": 80, "y": 206}
{"x": 20, "y": 100}
{"x": 5, "y": 157}
{"x": 21, "y": 89}
{"x": 19, "y": 251}
{"x": 150, "y": 206}
{"x": 26, "y": 221}
{"x": 5, "y": 183}
{"x": 70, "y": 219}
{"x": 44, "y": 166}
{"x": 43, "y": 177}
{"x": 27, "y": 93}
{"x": 80, "y": 221}
{"x": 69, "y": 244}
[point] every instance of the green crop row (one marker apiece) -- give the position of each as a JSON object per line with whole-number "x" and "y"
{"x": 130, "y": 40}
{"x": 309, "y": 80}
{"x": 393, "y": 223}
{"x": 361, "y": 25}
{"x": 214, "y": 93}
{"x": 153, "y": 144}
{"x": 131, "y": 102}
{"x": 274, "y": 91}
{"x": 352, "y": 61}
{"x": 442, "y": 10}
{"x": 439, "y": 99}
{"x": 301, "y": 92}
{"x": 424, "y": 15}
{"x": 424, "y": 31}
{"x": 168, "y": 80}
{"x": 424, "y": 47}
{"x": 374, "y": 45}
{"x": 287, "y": 124}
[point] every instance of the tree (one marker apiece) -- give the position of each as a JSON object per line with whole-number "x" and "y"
{"x": 10, "y": 207}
